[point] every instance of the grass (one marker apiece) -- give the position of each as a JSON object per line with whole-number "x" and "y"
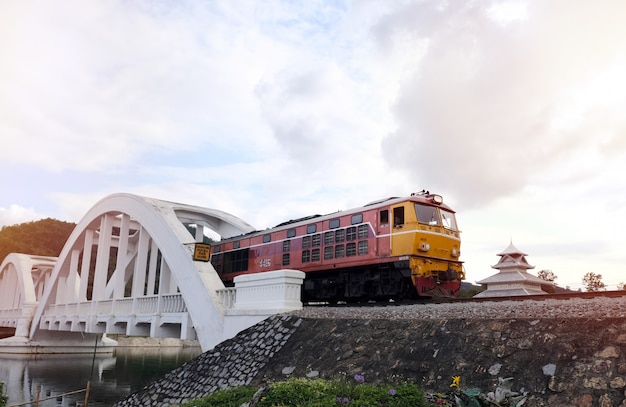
{"x": 319, "y": 393}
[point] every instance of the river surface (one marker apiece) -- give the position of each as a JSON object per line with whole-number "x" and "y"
{"x": 114, "y": 376}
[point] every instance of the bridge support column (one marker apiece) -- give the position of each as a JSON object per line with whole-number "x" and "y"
{"x": 261, "y": 295}
{"x": 22, "y": 328}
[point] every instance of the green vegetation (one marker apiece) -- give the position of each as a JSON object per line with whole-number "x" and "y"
{"x": 593, "y": 282}
{"x": 319, "y": 393}
{"x": 44, "y": 237}
{"x": 469, "y": 290}
{"x": 3, "y": 398}
{"x": 233, "y": 397}
{"x": 339, "y": 392}
{"x": 547, "y": 275}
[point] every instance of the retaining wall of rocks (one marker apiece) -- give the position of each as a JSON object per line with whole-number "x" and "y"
{"x": 233, "y": 363}
{"x": 559, "y": 361}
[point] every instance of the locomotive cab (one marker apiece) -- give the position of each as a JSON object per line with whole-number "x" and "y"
{"x": 426, "y": 238}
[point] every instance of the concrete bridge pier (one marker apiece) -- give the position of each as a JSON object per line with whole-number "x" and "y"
{"x": 22, "y": 328}
{"x": 58, "y": 342}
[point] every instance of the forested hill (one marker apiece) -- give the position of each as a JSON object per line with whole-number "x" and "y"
{"x": 44, "y": 237}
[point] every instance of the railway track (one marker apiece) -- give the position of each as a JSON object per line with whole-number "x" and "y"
{"x": 542, "y": 297}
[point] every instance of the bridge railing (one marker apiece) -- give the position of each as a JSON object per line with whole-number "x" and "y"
{"x": 9, "y": 317}
{"x": 154, "y": 304}
{"x": 10, "y": 313}
{"x": 172, "y": 303}
{"x": 227, "y": 297}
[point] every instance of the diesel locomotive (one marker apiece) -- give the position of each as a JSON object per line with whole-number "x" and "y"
{"x": 394, "y": 248}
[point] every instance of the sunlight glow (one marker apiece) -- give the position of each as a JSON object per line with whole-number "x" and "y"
{"x": 507, "y": 12}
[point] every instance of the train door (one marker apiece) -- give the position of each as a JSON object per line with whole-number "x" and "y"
{"x": 382, "y": 232}
{"x": 397, "y": 221}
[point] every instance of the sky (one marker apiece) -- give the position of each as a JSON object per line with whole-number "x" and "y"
{"x": 513, "y": 111}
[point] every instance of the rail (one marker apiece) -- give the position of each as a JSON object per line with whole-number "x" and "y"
{"x": 447, "y": 300}
{"x": 548, "y": 296}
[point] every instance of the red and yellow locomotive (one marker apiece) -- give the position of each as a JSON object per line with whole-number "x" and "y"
{"x": 394, "y": 248}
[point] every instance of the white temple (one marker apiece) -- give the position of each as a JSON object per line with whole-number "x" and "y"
{"x": 512, "y": 278}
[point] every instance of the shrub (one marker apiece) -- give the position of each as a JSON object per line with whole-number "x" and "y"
{"x": 320, "y": 393}
{"x": 234, "y": 397}
{"x": 3, "y": 398}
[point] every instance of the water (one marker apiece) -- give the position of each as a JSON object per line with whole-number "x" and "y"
{"x": 114, "y": 375}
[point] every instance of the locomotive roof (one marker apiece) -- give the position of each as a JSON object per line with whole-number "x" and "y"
{"x": 422, "y": 197}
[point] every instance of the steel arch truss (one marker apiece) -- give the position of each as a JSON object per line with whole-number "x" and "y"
{"x": 128, "y": 268}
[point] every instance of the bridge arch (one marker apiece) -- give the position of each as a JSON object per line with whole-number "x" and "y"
{"x": 129, "y": 247}
{"x": 22, "y": 281}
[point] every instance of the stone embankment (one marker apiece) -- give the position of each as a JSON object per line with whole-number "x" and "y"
{"x": 562, "y": 352}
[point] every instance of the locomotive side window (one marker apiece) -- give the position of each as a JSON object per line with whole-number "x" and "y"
{"x": 357, "y": 218}
{"x": 384, "y": 217}
{"x": 236, "y": 245}
{"x": 340, "y": 235}
{"x": 218, "y": 262}
{"x": 351, "y": 233}
{"x": 328, "y": 252}
{"x": 306, "y": 242}
{"x": 427, "y": 214}
{"x": 333, "y": 224}
{"x": 316, "y": 240}
{"x": 363, "y": 231}
{"x": 306, "y": 256}
{"x": 448, "y": 220}
{"x": 351, "y": 249}
{"x": 311, "y": 229}
{"x": 267, "y": 238}
{"x": 286, "y": 245}
{"x": 236, "y": 261}
{"x": 291, "y": 233}
{"x": 286, "y": 259}
{"x": 339, "y": 251}
{"x": 315, "y": 255}
{"x": 362, "y": 247}
{"x": 398, "y": 217}
{"x": 329, "y": 237}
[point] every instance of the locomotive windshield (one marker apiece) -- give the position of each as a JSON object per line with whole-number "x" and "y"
{"x": 448, "y": 219}
{"x": 434, "y": 216}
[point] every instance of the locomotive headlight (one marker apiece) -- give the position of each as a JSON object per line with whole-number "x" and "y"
{"x": 438, "y": 199}
{"x": 455, "y": 253}
{"x": 424, "y": 247}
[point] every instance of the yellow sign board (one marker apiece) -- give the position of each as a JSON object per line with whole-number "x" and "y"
{"x": 202, "y": 252}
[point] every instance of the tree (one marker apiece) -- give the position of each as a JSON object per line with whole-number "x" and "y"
{"x": 621, "y": 286}
{"x": 547, "y": 275}
{"x": 45, "y": 237}
{"x": 593, "y": 282}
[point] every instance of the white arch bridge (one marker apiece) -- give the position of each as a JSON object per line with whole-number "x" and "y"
{"x": 128, "y": 268}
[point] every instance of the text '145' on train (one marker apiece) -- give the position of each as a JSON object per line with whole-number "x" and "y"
{"x": 393, "y": 248}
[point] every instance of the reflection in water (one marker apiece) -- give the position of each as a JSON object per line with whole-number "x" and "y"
{"x": 114, "y": 376}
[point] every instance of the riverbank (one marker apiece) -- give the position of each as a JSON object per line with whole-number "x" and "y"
{"x": 146, "y": 342}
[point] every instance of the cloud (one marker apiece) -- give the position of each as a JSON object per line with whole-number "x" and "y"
{"x": 511, "y": 109}
{"x": 16, "y": 214}
{"x": 492, "y": 107}
{"x": 120, "y": 82}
